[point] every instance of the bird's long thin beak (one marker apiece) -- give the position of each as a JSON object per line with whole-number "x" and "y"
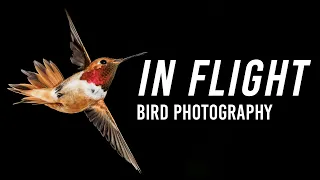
{"x": 124, "y": 59}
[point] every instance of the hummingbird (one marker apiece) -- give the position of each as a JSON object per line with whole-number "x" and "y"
{"x": 84, "y": 91}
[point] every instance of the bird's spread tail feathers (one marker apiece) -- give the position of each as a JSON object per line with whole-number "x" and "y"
{"x": 47, "y": 77}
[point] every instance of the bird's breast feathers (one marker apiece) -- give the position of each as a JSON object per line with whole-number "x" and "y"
{"x": 78, "y": 87}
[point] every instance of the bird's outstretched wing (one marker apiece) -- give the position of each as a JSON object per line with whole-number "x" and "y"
{"x": 80, "y": 56}
{"x": 102, "y": 119}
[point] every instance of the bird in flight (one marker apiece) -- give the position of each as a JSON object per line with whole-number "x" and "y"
{"x": 84, "y": 91}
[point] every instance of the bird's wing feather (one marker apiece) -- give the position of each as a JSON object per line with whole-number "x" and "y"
{"x": 80, "y": 57}
{"x": 102, "y": 119}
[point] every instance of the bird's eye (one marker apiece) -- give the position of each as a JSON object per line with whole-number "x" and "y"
{"x": 103, "y": 62}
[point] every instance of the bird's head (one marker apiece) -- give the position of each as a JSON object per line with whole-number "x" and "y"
{"x": 102, "y": 70}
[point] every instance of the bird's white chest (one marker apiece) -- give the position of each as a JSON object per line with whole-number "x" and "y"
{"x": 82, "y": 86}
